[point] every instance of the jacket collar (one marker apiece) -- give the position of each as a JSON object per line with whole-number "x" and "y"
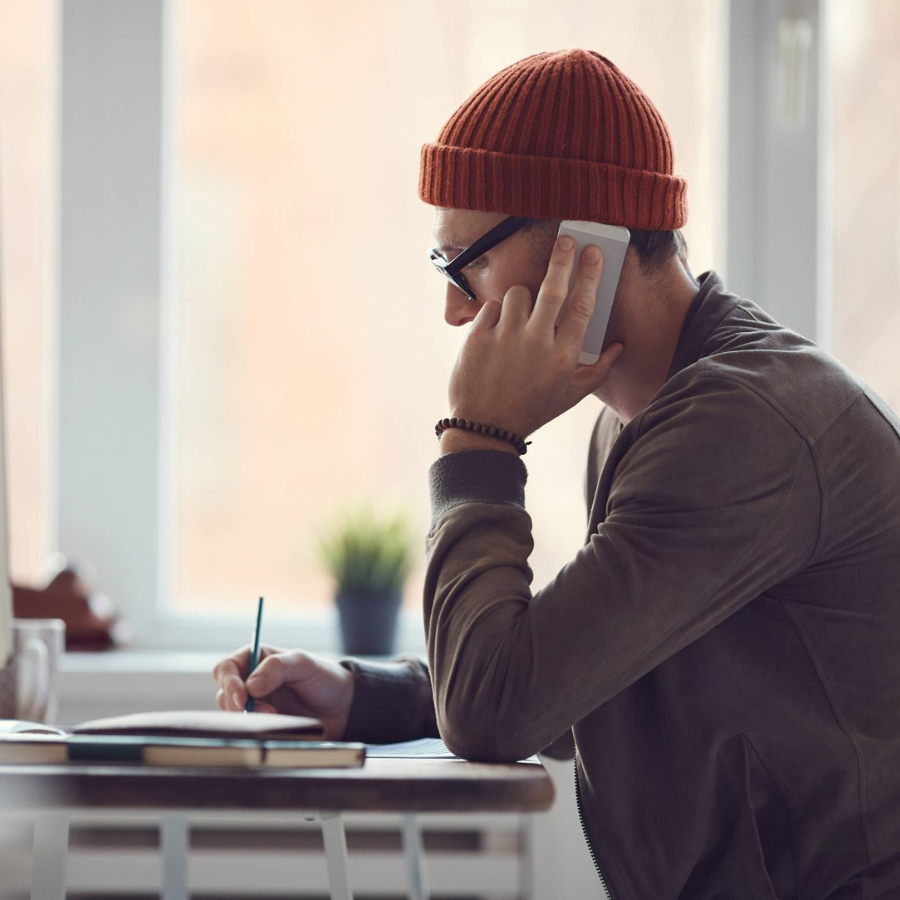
{"x": 711, "y": 304}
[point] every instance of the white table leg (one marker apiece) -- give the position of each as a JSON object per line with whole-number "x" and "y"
{"x": 526, "y": 856}
{"x": 48, "y": 867}
{"x": 174, "y": 846}
{"x": 414, "y": 858}
{"x": 336, "y": 855}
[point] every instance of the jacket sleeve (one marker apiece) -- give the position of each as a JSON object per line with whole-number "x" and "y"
{"x": 393, "y": 701}
{"x": 715, "y": 501}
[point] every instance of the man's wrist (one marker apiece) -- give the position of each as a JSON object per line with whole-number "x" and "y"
{"x": 455, "y": 439}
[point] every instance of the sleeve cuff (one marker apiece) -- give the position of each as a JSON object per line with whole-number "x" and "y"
{"x": 484, "y": 476}
{"x": 392, "y": 701}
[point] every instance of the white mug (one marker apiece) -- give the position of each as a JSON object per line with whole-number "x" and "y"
{"x": 28, "y": 678}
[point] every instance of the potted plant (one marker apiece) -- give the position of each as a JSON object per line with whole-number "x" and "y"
{"x": 369, "y": 561}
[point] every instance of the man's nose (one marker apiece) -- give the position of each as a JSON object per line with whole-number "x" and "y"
{"x": 458, "y": 308}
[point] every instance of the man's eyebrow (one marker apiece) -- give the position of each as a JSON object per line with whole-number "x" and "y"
{"x": 453, "y": 242}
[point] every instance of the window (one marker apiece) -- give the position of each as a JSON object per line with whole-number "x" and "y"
{"x": 276, "y": 154}
{"x": 27, "y": 203}
{"x": 865, "y": 138}
{"x": 307, "y": 376}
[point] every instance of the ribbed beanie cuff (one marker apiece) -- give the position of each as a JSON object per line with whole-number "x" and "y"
{"x": 558, "y": 135}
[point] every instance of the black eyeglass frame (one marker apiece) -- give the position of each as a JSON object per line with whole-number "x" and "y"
{"x": 509, "y": 226}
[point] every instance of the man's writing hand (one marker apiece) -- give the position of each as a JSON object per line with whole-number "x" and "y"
{"x": 291, "y": 682}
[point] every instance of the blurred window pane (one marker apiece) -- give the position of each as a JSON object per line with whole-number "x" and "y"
{"x": 27, "y": 103}
{"x": 865, "y": 121}
{"x": 307, "y": 376}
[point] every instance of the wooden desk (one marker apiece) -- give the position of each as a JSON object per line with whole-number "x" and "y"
{"x": 55, "y": 793}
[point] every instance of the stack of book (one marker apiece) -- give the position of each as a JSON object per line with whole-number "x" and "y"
{"x": 201, "y": 738}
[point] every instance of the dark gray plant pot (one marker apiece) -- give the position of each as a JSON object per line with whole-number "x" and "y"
{"x": 368, "y": 620}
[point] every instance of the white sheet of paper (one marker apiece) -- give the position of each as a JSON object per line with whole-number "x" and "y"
{"x": 424, "y": 748}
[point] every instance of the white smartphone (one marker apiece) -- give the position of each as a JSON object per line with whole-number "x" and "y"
{"x": 613, "y": 242}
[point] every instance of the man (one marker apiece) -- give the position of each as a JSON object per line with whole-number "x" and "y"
{"x": 722, "y": 656}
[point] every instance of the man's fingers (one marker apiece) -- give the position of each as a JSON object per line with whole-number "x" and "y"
{"x": 235, "y": 694}
{"x": 268, "y": 675}
{"x": 230, "y": 672}
{"x": 230, "y": 701}
{"x": 554, "y": 289}
{"x": 229, "y": 675}
{"x": 278, "y": 669}
{"x": 580, "y": 306}
{"x": 236, "y": 664}
{"x": 486, "y": 317}
{"x": 516, "y": 308}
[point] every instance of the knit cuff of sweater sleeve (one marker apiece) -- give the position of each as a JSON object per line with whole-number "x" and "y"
{"x": 391, "y": 702}
{"x": 482, "y": 476}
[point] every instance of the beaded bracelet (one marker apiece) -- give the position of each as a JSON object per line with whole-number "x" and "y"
{"x": 478, "y": 428}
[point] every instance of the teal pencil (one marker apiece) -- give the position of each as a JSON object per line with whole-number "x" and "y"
{"x": 254, "y": 652}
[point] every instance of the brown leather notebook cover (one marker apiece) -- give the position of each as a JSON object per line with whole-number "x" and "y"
{"x": 208, "y": 724}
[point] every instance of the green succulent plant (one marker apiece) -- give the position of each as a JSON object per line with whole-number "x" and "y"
{"x": 365, "y": 553}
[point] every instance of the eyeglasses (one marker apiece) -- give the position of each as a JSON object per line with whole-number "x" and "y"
{"x": 501, "y": 232}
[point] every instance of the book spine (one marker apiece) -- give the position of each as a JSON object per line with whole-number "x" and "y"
{"x": 82, "y": 749}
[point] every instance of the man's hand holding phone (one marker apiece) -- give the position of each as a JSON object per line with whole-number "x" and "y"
{"x": 518, "y": 366}
{"x": 290, "y": 682}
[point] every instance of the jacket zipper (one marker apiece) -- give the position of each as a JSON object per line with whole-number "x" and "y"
{"x": 603, "y": 883}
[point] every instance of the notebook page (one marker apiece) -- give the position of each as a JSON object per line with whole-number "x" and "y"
{"x": 423, "y": 748}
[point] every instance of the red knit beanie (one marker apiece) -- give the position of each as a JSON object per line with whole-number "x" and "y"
{"x": 558, "y": 135}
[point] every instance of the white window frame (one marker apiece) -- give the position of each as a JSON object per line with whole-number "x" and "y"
{"x": 777, "y": 199}
{"x": 117, "y": 295}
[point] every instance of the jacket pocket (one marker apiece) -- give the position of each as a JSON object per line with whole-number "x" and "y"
{"x": 762, "y": 822}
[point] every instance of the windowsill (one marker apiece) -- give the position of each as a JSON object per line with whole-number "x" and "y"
{"x": 154, "y": 662}
{"x": 117, "y": 682}
{"x": 315, "y": 630}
